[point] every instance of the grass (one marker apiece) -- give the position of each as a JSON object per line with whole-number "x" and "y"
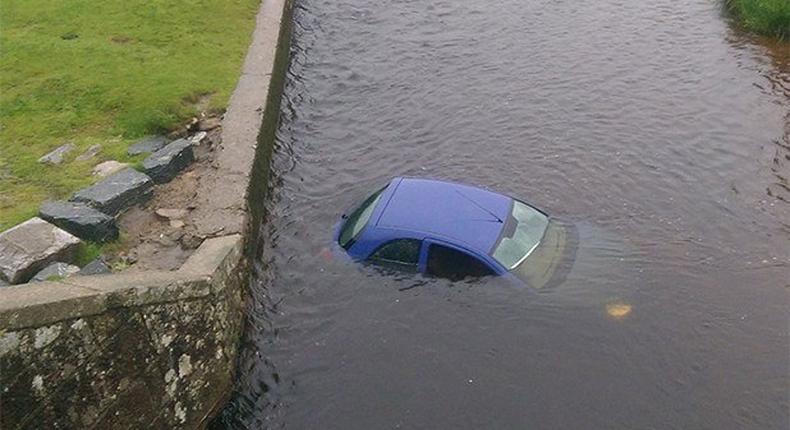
{"x": 107, "y": 72}
{"x": 768, "y": 17}
{"x": 87, "y": 252}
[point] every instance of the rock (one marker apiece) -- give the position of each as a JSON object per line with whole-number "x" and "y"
{"x": 176, "y": 223}
{"x": 56, "y": 157}
{"x": 116, "y": 192}
{"x": 80, "y": 220}
{"x": 172, "y": 213}
{"x": 3, "y": 283}
{"x": 164, "y": 165}
{"x": 55, "y": 270}
{"x": 95, "y": 267}
{"x": 89, "y": 153}
{"x": 147, "y": 145}
{"x": 31, "y": 246}
{"x": 108, "y": 168}
{"x": 211, "y": 123}
{"x": 198, "y": 137}
{"x": 201, "y": 145}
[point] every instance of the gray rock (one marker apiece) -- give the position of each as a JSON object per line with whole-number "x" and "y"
{"x": 31, "y": 246}
{"x": 57, "y": 156}
{"x": 108, "y": 168}
{"x": 89, "y": 153}
{"x": 117, "y": 192}
{"x": 95, "y": 267}
{"x": 164, "y": 165}
{"x": 3, "y": 283}
{"x": 55, "y": 270}
{"x": 147, "y": 145}
{"x": 80, "y": 220}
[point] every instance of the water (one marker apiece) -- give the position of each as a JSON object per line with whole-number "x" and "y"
{"x": 656, "y": 128}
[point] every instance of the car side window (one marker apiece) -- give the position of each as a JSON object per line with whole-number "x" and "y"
{"x": 399, "y": 251}
{"x": 455, "y": 265}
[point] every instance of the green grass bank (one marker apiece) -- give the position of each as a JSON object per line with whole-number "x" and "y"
{"x": 106, "y": 72}
{"x": 767, "y": 17}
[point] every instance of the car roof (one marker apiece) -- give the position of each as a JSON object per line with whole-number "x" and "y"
{"x": 460, "y": 214}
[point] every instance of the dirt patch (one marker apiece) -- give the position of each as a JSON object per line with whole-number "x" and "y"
{"x": 152, "y": 241}
{"x": 120, "y": 39}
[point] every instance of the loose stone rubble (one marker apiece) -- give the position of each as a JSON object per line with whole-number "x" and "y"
{"x": 92, "y": 213}
{"x": 164, "y": 164}
{"x": 55, "y": 271}
{"x": 80, "y": 220}
{"x": 147, "y": 145}
{"x": 29, "y": 247}
{"x": 116, "y": 192}
{"x": 58, "y": 155}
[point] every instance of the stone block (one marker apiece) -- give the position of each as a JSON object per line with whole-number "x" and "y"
{"x": 31, "y": 246}
{"x": 117, "y": 192}
{"x": 95, "y": 267}
{"x": 80, "y": 220}
{"x": 58, "y": 155}
{"x": 164, "y": 165}
{"x": 147, "y": 145}
{"x": 55, "y": 270}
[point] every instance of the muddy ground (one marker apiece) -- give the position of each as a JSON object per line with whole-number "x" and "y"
{"x": 159, "y": 235}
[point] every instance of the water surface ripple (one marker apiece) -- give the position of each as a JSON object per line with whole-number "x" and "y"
{"x": 655, "y": 127}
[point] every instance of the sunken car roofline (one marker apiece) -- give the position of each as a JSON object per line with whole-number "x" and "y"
{"x": 460, "y": 184}
{"x": 391, "y": 192}
{"x": 425, "y": 234}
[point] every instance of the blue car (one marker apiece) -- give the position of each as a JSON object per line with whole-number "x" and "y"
{"x": 453, "y": 231}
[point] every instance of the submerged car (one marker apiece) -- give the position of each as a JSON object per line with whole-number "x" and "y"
{"x": 454, "y": 231}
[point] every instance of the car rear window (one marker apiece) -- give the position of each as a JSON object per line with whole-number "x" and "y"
{"x": 522, "y": 233}
{"x": 357, "y": 220}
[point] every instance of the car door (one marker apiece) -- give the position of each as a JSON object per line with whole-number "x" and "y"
{"x": 444, "y": 260}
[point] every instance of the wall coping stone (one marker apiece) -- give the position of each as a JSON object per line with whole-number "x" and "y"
{"x": 43, "y": 303}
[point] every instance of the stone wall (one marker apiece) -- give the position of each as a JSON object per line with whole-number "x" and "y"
{"x": 154, "y": 350}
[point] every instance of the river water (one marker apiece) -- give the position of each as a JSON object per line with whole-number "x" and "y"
{"x": 655, "y": 127}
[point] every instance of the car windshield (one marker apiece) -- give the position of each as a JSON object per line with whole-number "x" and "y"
{"x": 522, "y": 233}
{"x": 357, "y": 220}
